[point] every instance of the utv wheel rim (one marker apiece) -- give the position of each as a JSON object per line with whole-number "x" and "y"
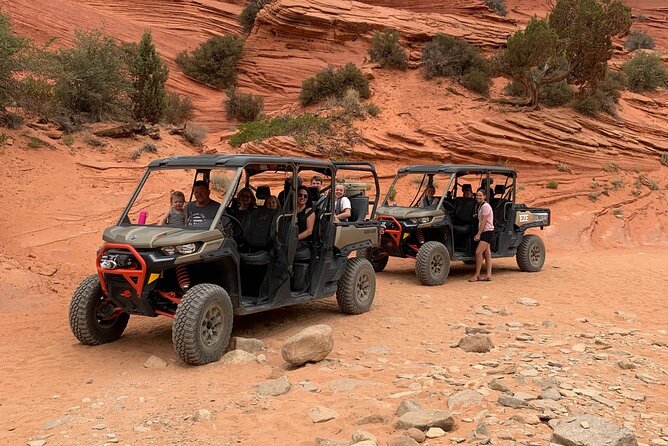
{"x": 363, "y": 287}
{"x": 212, "y": 326}
{"x": 437, "y": 264}
{"x": 102, "y": 314}
{"x": 535, "y": 254}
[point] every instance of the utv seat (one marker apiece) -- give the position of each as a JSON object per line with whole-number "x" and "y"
{"x": 256, "y": 237}
{"x": 464, "y": 209}
{"x": 359, "y": 206}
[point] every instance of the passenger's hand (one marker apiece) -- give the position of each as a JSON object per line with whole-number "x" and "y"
{"x": 476, "y": 238}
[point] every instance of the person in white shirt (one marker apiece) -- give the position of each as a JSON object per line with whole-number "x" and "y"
{"x": 342, "y": 208}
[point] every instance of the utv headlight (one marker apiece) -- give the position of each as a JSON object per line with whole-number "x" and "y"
{"x": 412, "y": 221}
{"x": 168, "y": 250}
{"x": 424, "y": 219}
{"x": 188, "y": 248}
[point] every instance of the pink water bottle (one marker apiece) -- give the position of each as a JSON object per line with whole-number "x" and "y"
{"x": 143, "y": 215}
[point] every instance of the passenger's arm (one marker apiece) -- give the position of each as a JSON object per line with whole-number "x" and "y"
{"x": 345, "y": 214}
{"x": 163, "y": 220}
{"x": 310, "y": 222}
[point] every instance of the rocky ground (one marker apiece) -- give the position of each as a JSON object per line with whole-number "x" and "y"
{"x": 583, "y": 337}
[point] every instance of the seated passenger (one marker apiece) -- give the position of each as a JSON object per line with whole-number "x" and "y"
{"x": 201, "y": 212}
{"x": 316, "y": 181}
{"x": 342, "y": 207}
{"x": 428, "y": 199}
{"x": 304, "y": 223}
{"x": 246, "y": 204}
{"x": 271, "y": 202}
{"x": 175, "y": 216}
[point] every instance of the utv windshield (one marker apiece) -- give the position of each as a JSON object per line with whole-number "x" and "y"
{"x": 417, "y": 190}
{"x": 180, "y": 198}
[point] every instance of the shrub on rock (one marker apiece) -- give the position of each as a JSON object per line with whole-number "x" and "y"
{"x": 331, "y": 82}
{"x": 214, "y": 61}
{"x": 387, "y": 51}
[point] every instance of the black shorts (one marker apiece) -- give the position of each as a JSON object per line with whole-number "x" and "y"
{"x": 487, "y": 236}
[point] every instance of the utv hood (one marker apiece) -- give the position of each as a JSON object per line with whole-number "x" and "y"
{"x": 401, "y": 213}
{"x": 157, "y": 236}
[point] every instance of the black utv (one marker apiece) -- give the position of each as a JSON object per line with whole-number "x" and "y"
{"x": 227, "y": 257}
{"x": 429, "y": 214}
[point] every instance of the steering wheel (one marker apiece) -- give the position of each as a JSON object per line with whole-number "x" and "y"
{"x": 232, "y": 227}
{"x": 452, "y": 206}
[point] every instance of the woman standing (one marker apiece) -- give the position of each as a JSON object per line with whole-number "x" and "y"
{"x": 484, "y": 236}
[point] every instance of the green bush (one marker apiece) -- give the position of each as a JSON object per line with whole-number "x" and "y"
{"x": 331, "y": 82}
{"x": 552, "y": 184}
{"x": 92, "y": 77}
{"x": 149, "y": 147}
{"x": 36, "y": 95}
{"x": 386, "y": 50}
{"x": 664, "y": 159}
{"x": 587, "y": 105}
{"x": 68, "y": 139}
{"x": 498, "y": 6}
{"x": 36, "y": 143}
{"x": 556, "y": 94}
{"x": 447, "y": 56}
{"x": 298, "y": 126}
{"x": 149, "y": 74}
{"x": 639, "y": 40}
{"x": 10, "y": 63}
{"x": 373, "y": 110}
{"x": 605, "y": 98}
{"x": 11, "y": 120}
{"x": 247, "y": 17}
{"x": 243, "y": 107}
{"x": 178, "y": 108}
{"x": 214, "y": 61}
{"x": 645, "y": 72}
{"x": 195, "y": 134}
{"x": 350, "y": 102}
{"x": 514, "y": 89}
{"x": 477, "y": 81}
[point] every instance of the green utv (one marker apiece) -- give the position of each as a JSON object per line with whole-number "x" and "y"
{"x": 236, "y": 263}
{"x": 429, "y": 215}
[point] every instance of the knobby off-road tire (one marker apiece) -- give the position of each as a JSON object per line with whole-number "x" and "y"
{"x": 531, "y": 254}
{"x": 86, "y": 321}
{"x": 378, "y": 264}
{"x": 432, "y": 264}
{"x": 357, "y": 287}
{"x": 202, "y": 324}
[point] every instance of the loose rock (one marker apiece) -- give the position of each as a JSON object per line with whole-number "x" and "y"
{"x": 274, "y": 387}
{"x": 250, "y": 345}
{"x": 408, "y": 406}
{"x": 201, "y": 415}
{"x": 55, "y": 423}
{"x": 463, "y": 399}
{"x": 600, "y": 432}
{"x": 527, "y": 301}
{"x": 416, "y": 434}
{"x": 476, "y": 344}
{"x": 511, "y": 401}
{"x": 237, "y": 357}
{"x": 435, "y": 432}
{"x": 424, "y": 419}
{"x": 312, "y": 344}
{"x": 362, "y": 436}
{"x": 402, "y": 441}
{"x": 321, "y": 414}
{"x": 153, "y": 362}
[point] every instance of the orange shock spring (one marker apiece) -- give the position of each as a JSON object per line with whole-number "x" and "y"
{"x": 420, "y": 236}
{"x": 183, "y": 277}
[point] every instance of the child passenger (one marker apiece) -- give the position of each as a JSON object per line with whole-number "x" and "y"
{"x": 175, "y": 216}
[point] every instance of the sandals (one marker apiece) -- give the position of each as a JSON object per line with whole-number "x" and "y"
{"x": 480, "y": 279}
{"x": 474, "y": 279}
